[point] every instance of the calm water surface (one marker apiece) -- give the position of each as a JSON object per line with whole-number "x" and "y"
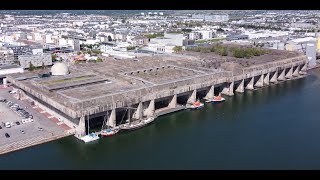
{"x": 277, "y": 127}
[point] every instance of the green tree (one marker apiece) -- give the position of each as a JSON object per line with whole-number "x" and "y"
{"x": 186, "y": 30}
{"x": 78, "y": 53}
{"x": 177, "y": 49}
{"x": 54, "y": 56}
{"x": 96, "y": 51}
{"x": 131, "y": 48}
{"x": 99, "y": 60}
{"x": 31, "y": 67}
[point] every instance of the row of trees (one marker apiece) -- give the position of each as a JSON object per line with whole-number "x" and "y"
{"x": 131, "y": 48}
{"x": 32, "y": 67}
{"x": 249, "y": 26}
{"x": 150, "y": 36}
{"x": 93, "y": 51}
{"x": 225, "y": 50}
{"x": 247, "y": 52}
{"x": 177, "y": 49}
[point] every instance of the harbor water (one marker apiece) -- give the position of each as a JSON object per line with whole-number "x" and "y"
{"x": 277, "y": 127}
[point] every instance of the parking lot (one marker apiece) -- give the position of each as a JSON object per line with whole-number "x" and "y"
{"x": 43, "y": 123}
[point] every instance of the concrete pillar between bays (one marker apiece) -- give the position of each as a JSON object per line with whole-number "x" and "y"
{"x": 228, "y": 89}
{"x": 266, "y": 79}
{"x": 81, "y": 129}
{"x": 250, "y": 84}
{"x": 296, "y": 71}
{"x": 289, "y": 74}
{"x": 112, "y": 118}
{"x": 240, "y": 87}
{"x": 274, "y": 78}
{"x": 138, "y": 112}
{"x": 304, "y": 68}
{"x": 193, "y": 97}
{"x": 259, "y": 83}
{"x": 210, "y": 93}
{"x": 173, "y": 102}
{"x": 282, "y": 75}
{"x": 150, "y": 110}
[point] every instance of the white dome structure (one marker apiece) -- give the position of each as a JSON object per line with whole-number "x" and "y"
{"x": 59, "y": 69}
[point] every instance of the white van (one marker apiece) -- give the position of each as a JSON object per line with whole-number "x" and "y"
{"x": 27, "y": 120}
{"x": 7, "y": 125}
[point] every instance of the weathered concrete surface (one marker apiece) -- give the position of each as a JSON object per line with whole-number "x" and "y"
{"x": 240, "y": 87}
{"x": 125, "y": 91}
{"x": 228, "y": 89}
{"x": 266, "y": 79}
{"x": 259, "y": 83}
{"x": 274, "y": 78}
{"x": 210, "y": 93}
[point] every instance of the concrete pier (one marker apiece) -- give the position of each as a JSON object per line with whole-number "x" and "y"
{"x": 240, "y": 87}
{"x": 193, "y": 97}
{"x": 149, "y": 111}
{"x": 266, "y": 79}
{"x": 210, "y": 93}
{"x": 173, "y": 102}
{"x": 250, "y": 84}
{"x": 296, "y": 71}
{"x": 228, "y": 89}
{"x": 112, "y": 118}
{"x": 289, "y": 74}
{"x": 282, "y": 75}
{"x": 81, "y": 129}
{"x": 259, "y": 83}
{"x": 274, "y": 78}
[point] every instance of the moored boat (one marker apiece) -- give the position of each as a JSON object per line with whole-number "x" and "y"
{"x": 137, "y": 124}
{"x": 90, "y": 137}
{"x": 109, "y": 132}
{"x": 218, "y": 98}
{"x": 195, "y": 105}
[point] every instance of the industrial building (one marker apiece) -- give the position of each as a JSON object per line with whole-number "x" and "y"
{"x": 236, "y": 37}
{"x": 36, "y": 60}
{"x": 150, "y": 85}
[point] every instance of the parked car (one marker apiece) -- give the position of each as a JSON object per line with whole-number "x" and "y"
{"x": 18, "y": 123}
{"x": 40, "y": 129}
{"x": 26, "y": 120}
{"x": 7, "y": 135}
{"x": 8, "y": 125}
{"x": 22, "y": 131}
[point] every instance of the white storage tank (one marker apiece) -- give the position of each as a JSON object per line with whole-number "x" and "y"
{"x": 4, "y": 82}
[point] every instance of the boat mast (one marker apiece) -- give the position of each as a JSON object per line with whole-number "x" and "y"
{"x": 129, "y": 115}
{"x": 88, "y": 125}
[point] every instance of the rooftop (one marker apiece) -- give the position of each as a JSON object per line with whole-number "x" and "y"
{"x": 93, "y": 84}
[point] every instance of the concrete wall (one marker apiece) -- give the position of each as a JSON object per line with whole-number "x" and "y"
{"x": 135, "y": 96}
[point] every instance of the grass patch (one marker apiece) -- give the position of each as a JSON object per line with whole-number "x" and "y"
{"x": 66, "y": 80}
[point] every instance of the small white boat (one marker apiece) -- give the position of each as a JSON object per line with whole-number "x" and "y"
{"x": 217, "y": 99}
{"x": 195, "y": 105}
{"x": 109, "y": 132}
{"x": 90, "y": 137}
